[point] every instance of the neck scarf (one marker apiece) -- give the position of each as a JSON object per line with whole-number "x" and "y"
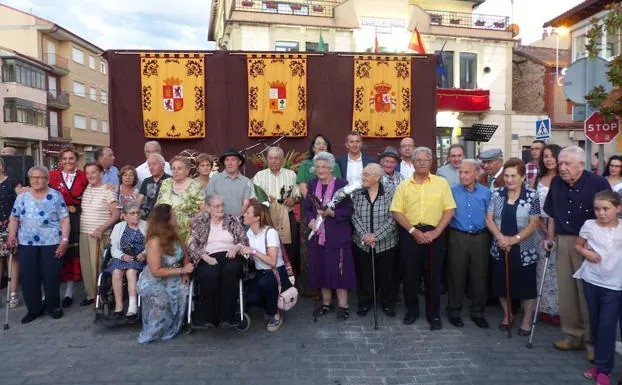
{"x": 330, "y": 189}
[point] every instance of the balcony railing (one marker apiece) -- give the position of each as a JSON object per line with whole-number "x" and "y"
{"x": 58, "y": 99}
{"x": 60, "y": 133}
{"x": 56, "y": 61}
{"x": 322, "y": 8}
{"x": 468, "y": 20}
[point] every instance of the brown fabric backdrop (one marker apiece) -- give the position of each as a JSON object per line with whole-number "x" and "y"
{"x": 330, "y": 83}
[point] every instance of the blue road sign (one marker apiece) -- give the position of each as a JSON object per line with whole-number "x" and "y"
{"x": 543, "y": 129}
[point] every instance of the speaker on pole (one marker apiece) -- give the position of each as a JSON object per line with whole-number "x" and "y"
{"x": 16, "y": 167}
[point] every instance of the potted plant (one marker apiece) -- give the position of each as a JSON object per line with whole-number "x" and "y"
{"x": 436, "y": 19}
{"x": 296, "y": 7}
{"x": 271, "y": 4}
{"x": 247, "y": 3}
{"x": 318, "y": 8}
{"x": 480, "y": 23}
{"x": 455, "y": 21}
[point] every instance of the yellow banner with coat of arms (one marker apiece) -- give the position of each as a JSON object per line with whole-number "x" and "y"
{"x": 277, "y": 95}
{"x": 382, "y": 96}
{"x": 173, "y": 95}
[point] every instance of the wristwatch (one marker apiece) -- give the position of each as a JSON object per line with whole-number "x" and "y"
{"x": 412, "y": 229}
{"x": 254, "y": 252}
{"x": 65, "y": 240}
{"x": 517, "y": 236}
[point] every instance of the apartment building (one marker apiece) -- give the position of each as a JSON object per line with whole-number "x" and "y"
{"x": 76, "y": 84}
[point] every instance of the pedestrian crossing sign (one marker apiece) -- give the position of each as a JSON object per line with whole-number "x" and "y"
{"x": 543, "y": 129}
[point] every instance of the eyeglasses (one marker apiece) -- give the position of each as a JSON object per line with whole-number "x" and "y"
{"x": 37, "y": 177}
{"x": 132, "y": 213}
{"x": 427, "y": 160}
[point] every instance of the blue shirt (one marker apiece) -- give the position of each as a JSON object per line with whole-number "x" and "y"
{"x": 39, "y": 219}
{"x": 571, "y": 206}
{"x": 471, "y": 208}
{"x": 111, "y": 176}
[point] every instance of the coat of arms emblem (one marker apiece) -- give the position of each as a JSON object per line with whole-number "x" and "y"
{"x": 383, "y": 100}
{"x": 278, "y": 96}
{"x": 173, "y": 95}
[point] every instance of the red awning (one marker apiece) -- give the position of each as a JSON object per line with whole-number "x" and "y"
{"x": 459, "y": 100}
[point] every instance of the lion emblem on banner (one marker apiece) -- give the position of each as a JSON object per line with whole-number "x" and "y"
{"x": 173, "y": 95}
{"x": 383, "y": 99}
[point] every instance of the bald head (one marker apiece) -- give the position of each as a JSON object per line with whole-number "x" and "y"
{"x": 8, "y": 151}
{"x": 407, "y": 146}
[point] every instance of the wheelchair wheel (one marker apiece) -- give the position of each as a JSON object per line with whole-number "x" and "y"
{"x": 245, "y": 324}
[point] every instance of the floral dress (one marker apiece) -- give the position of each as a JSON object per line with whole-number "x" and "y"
{"x": 7, "y": 198}
{"x": 186, "y": 204}
{"x": 163, "y": 301}
{"x": 548, "y": 302}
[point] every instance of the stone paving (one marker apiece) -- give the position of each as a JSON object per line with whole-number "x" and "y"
{"x": 73, "y": 350}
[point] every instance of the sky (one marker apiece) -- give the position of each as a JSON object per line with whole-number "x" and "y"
{"x": 183, "y": 24}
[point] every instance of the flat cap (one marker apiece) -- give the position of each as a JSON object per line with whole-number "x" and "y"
{"x": 492, "y": 154}
{"x": 390, "y": 152}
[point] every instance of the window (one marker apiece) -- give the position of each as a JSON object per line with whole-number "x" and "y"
{"x": 91, "y": 62}
{"x": 77, "y": 55}
{"x": 578, "y": 48}
{"x": 93, "y": 124}
{"x": 52, "y": 85}
{"x": 79, "y": 121}
{"x": 468, "y": 70}
{"x": 612, "y": 44}
{"x": 79, "y": 89}
{"x": 93, "y": 94}
{"x": 448, "y": 80}
{"x": 102, "y": 67}
{"x": 286, "y": 46}
{"x": 104, "y": 126}
{"x": 311, "y": 46}
{"x": 54, "y": 124}
{"x": 16, "y": 71}
{"x": 23, "y": 111}
{"x": 104, "y": 96}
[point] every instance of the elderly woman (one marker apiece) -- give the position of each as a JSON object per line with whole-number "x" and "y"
{"x": 214, "y": 245}
{"x": 183, "y": 193}
{"x": 513, "y": 216}
{"x": 265, "y": 248}
{"x": 7, "y": 199}
{"x": 127, "y": 245}
{"x": 71, "y": 183}
{"x": 163, "y": 285}
{"x": 374, "y": 227}
{"x": 330, "y": 256}
{"x": 205, "y": 164}
{"x": 127, "y": 191}
{"x": 39, "y": 224}
{"x": 99, "y": 213}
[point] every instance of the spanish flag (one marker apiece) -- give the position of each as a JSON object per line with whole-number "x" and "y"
{"x": 416, "y": 43}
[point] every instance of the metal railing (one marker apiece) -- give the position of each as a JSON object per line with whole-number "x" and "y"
{"x": 468, "y": 20}
{"x": 60, "y": 133}
{"x": 321, "y": 8}
{"x": 55, "y": 60}
{"x": 58, "y": 99}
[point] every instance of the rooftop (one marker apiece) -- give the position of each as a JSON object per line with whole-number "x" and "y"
{"x": 582, "y": 11}
{"x": 544, "y": 56}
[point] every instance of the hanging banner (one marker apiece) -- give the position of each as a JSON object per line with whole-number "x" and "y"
{"x": 277, "y": 95}
{"x": 173, "y": 95}
{"x": 382, "y": 96}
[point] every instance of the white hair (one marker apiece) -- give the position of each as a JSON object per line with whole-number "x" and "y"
{"x": 159, "y": 157}
{"x": 575, "y": 151}
{"x": 375, "y": 169}
{"x": 276, "y": 150}
{"x": 325, "y": 156}
{"x": 472, "y": 162}
{"x": 41, "y": 169}
{"x": 213, "y": 197}
{"x": 153, "y": 142}
{"x": 425, "y": 150}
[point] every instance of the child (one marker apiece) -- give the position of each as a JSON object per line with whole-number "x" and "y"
{"x": 600, "y": 241}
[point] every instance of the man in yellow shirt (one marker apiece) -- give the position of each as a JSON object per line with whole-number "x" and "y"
{"x": 423, "y": 205}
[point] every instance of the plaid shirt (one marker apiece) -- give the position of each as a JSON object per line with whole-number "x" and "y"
{"x": 374, "y": 218}
{"x": 532, "y": 172}
{"x": 392, "y": 181}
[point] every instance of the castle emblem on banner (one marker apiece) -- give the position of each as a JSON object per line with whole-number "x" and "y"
{"x": 382, "y": 99}
{"x": 278, "y": 96}
{"x": 173, "y": 95}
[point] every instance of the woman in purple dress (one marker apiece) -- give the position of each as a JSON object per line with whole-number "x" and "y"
{"x": 331, "y": 265}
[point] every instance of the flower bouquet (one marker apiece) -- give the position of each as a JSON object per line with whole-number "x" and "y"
{"x": 339, "y": 195}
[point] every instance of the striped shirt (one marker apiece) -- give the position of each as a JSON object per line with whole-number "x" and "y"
{"x": 272, "y": 183}
{"x": 96, "y": 207}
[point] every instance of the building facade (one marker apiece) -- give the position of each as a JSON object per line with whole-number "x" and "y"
{"x": 76, "y": 86}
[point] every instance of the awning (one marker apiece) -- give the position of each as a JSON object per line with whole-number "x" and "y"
{"x": 460, "y": 100}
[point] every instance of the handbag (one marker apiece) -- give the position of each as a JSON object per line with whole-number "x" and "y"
{"x": 288, "y": 298}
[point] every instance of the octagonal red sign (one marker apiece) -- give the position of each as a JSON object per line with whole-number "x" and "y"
{"x": 599, "y": 131}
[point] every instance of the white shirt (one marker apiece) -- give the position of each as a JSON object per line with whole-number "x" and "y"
{"x": 258, "y": 242}
{"x": 355, "y": 169}
{"x": 143, "y": 172}
{"x": 69, "y": 178}
{"x": 606, "y": 243}
{"x": 272, "y": 183}
{"x": 406, "y": 169}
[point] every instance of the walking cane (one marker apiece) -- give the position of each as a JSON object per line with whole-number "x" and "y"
{"x": 550, "y": 244}
{"x": 97, "y": 263}
{"x": 373, "y": 280}
{"x": 8, "y": 289}
{"x": 508, "y": 300}
{"x": 315, "y": 294}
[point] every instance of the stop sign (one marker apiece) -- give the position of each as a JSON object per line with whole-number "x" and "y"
{"x": 600, "y": 131}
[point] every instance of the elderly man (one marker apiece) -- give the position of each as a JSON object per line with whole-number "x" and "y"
{"x": 423, "y": 207}
{"x": 569, "y": 204}
{"x": 532, "y": 167}
{"x": 406, "y": 167}
{"x": 492, "y": 164}
{"x": 150, "y": 188}
{"x": 280, "y": 185}
{"x": 105, "y": 158}
{"x": 455, "y": 154}
{"x": 234, "y": 187}
{"x": 389, "y": 160}
{"x": 374, "y": 227}
{"x": 469, "y": 244}
{"x": 8, "y": 151}
{"x": 143, "y": 171}
{"x": 351, "y": 164}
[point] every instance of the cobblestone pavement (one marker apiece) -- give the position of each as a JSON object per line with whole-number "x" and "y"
{"x": 73, "y": 350}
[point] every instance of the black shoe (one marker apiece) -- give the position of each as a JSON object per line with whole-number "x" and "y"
{"x": 480, "y": 322}
{"x": 118, "y": 315}
{"x": 362, "y": 311}
{"x": 523, "y": 333}
{"x": 31, "y": 317}
{"x": 87, "y": 302}
{"x": 456, "y": 321}
{"x": 389, "y": 311}
{"x": 56, "y": 313}
{"x": 67, "y": 301}
{"x": 343, "y": 313}
{"x": 410, "y": 318}
{"x": 436, "y": 324}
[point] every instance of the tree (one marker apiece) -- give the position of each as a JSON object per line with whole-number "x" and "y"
{"x": 610, "y": 104}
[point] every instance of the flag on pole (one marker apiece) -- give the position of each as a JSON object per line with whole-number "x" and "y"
{"x": 376, "y": 47}
{"x": 416, "y": 43}
{"x": 440, "y": 63}
{"x": 321, "y": 47}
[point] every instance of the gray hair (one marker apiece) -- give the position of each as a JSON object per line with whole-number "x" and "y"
{"x": 152, "y": 142}
{"x": 425, "y": 150}
{"x": 212, "y": 197}
{"x": 276, "y": 150}
{"x": 375, "y": 169}
{"x": 575, "y": 151}
{"x": 128, "y": 206}
{"x": 41, "y": 169}
{"x": 325, "y": 156}
{"x": 472, "y": 162}
{"x": 159, "y": 157}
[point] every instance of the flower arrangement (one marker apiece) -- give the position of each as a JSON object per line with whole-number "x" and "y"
{"x": 339, "y": 195}
{"x": 291, "y": 160}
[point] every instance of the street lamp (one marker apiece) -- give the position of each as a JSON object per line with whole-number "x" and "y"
{"x": 558, "y": 31}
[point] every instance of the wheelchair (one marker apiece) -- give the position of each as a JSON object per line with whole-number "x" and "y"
{"x": 104, "y": 300}
{"x": 241, "y": 314}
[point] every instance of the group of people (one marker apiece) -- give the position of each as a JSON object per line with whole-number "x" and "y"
{"x": 479, "y": 227}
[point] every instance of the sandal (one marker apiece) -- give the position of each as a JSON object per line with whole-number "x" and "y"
{"x": 343, "y": 313}
{"x": 13, "y": 301}
{"x": 324, "y": 309}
